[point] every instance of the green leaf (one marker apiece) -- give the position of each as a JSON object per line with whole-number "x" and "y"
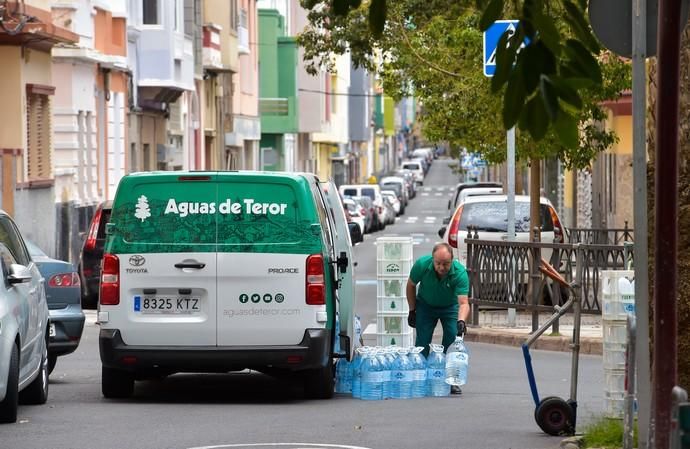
{"x": 354, "y": 4}
{"x": 492, "y": 12}
{"x": 547, "y": 91}
{"x": 504, "y": 63}
{"x": 582, "y": 60}
{"x": 537, "y": 60}
{"x": 309, "y": 4}
{"x": 548, "y": 33}
{"x": 377, "y": 17}
{"x": 514, "y": 99}
{"x": 341, "y": 7}
{"x": 578, "y": 23}
{"x": 537, "y": 119}
{"x": 566, "y": 92}
{"x": 566, "y": 129}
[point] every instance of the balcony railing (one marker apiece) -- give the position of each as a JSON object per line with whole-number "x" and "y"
{"x": 274, "y": 106}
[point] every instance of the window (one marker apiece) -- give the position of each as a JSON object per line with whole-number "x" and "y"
{"x": 243, "y": 33}
{"x": 151, "y": 12}
{"x": 10, "y": 238}
{"x": 233, "y": 15}
{"x": 334, "y": 92}
{"x": 38, "y": 131}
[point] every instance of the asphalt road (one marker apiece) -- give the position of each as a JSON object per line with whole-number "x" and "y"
{"x": 252, "y": 410}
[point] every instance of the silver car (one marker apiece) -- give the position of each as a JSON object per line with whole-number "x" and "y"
{"x": 24, "y": 325}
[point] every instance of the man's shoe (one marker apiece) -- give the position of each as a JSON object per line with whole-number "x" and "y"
{"x": 454, "y": 389}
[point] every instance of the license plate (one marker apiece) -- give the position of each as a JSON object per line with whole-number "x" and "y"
{"x": 51, "y": 331}
{"x": 166, "y": 304}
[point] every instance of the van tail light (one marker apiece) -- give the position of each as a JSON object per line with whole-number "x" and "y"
{"x": 316, "y": 281}
{"x": 558, "y": 232}
{"x": 93, "y": 231}
{"x": 453, "y": 228}
{"x": 64, "y": 280}
{"x": 110, "y": 281}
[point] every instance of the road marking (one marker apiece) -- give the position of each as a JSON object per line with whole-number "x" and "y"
{"x": 411, "y": 219}
{"x": 424, "y": 194}
{"x": 438, "y": 194}
{"x": 291, "y": 445}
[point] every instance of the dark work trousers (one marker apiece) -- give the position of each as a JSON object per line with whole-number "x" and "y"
{"x": 428, "y": 316}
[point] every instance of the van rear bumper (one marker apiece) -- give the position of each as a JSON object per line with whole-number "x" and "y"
{"x": 312, "y": 352}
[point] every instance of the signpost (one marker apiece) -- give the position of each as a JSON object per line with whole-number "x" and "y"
{"x": 491, "y": 37}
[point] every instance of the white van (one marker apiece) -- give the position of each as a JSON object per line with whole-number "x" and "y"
{"x": 372, "y": 191}
{"x": 224, "y": 271}
{"x": 417, "y": 168}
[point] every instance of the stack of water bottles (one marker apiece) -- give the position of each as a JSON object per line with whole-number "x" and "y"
{"x": 393, "y": 372}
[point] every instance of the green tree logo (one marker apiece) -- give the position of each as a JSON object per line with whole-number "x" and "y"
{"x": 143, "y": 211}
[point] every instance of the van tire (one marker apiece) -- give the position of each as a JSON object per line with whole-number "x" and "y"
{"x": 319, "y": 383}
{"x": 8, "y": 406}
{"x": 116, "y": 384}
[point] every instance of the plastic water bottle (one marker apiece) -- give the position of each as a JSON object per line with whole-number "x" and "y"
{"x": 372, "y": 378}
{"x": 343, "y": 376}
{"x": 418, "y": 372}
{"x": 436, "y": 372}
{"x": 457, "y": 362}
{"x": 402, "y": 376}
{"x": 385, "y": 361}
{"x": 356, "y": 367}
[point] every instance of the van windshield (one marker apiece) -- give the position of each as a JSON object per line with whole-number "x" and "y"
{"x": 493, "y": 217}
{"x": 350, "y": 192}
{"x": 368, "y": 191}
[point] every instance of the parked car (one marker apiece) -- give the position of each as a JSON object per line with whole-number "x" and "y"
{"x": 409, "y": 178}
{"x": 355, "y": 212}
{"x": 417, "y": 168}
{"x": 488, "y": 214}
{"x": 458, "y": 197}
{"x": 367, "y": 211}
{"x": 388, "y": 210}
{"x": 92, "y": 254}
{"x": 24, "y": 325}
{"x": 392, "y": 198}
{"x": 397, "y": 184}
{"x": 373, "y": 191}
{"x": 63, "y": 293}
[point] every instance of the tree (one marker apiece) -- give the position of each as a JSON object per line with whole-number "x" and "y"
{"x": 143, "y": 211}
{"x": 433, "y": 48}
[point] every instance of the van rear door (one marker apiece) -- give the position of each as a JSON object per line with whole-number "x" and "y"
{"x": 164, "y": 235}
{"x": 345, "y": 294}
{"x": 263, "y": 246}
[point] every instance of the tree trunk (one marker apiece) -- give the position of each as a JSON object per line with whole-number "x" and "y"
{"x": 683, "y": 205}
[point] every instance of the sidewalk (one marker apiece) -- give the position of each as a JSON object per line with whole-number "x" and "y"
{"x": 494, "y": 328}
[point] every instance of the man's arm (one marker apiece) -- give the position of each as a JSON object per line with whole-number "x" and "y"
{"x": 464, "y": 309}
{"x": 411, "y": 293}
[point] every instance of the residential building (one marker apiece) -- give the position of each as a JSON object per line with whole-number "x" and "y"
{"x": 360, "y": 124}
{"x": 278, "y": 107}
{"x": 242, "y": 142}
{"x": 26, "y": 129}
{"x": 220, "y": 64}
{"x": 89, "y": 114}
{"x": 164, "y": 106}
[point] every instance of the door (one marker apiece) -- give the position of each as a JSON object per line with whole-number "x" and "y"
{"x": 263, "y": 245}
{"x": 345, "y": 293}
{"x": 165, "y": 239}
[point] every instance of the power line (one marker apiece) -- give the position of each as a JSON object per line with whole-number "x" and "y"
{"x": 323, "y": 92}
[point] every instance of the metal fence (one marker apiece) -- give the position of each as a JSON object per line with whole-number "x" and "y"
{"x": 602, "y": 236}
{"x": 500, "y": 273}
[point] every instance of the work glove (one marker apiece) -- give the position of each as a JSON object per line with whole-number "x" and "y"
{"x": 462, "y": 328}
{"x": 412, "y": 318}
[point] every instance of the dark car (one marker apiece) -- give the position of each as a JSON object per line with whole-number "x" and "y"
{"x": 63, "y": 293}
{"x": 92, "y": 254}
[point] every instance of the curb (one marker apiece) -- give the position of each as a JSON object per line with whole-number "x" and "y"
{"x": 588, "y": 345}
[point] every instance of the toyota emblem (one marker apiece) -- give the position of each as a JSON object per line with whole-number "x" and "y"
{"x": 137, "y": 260}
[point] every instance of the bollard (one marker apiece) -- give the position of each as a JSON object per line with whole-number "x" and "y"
{"x": 680, "y": 419}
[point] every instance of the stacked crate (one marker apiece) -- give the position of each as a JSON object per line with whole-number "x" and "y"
{"x": 393, "y": 264}
{"x": 618, "y": 301}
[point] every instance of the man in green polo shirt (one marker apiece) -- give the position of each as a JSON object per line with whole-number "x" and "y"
{"x": 443, "y": 289}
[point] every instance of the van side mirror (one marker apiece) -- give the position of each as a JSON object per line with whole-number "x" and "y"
{"x": 355, "y": 233}
{"x": 446, "y": 220}
{"x": 442, "y": 232}
{"x": 19, "y": 274}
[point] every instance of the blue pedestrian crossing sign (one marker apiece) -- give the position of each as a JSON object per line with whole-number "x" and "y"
{"x": 491, "y": 37}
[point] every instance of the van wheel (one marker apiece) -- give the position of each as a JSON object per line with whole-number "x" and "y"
{"x": 319, "y": 383}
{"x": 8, "y": 406}
{"x": 116, "y": 384}
{"x": 37, "y": 391}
